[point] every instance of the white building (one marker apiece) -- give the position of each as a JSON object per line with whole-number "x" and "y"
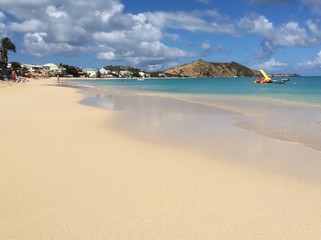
{"x": 51, "y": 66}
{"x": 141, "y": 74}
{"x": 125, "y": 74}
{"x": 54, "y": 70}
{"x": 90, "y": 72}
{"x": 48, "y": 68}
{"x": 104, "y": 72}
{"x": 33, "y": 67}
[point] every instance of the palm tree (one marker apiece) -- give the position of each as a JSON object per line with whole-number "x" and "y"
{"x": 6, "y": 45}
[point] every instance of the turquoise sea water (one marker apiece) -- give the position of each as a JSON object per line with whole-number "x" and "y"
{"x": 299, "y": 90}
{"x": 290, "y": 111}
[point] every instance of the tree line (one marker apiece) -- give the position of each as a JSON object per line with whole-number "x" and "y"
{"x": 6, "y": 46}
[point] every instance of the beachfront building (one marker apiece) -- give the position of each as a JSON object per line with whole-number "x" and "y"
{"x": 51, "y": 67}
{"x": 143, "y": 74}
{"x": 33, "y": 67}
{"x": 54, "y": 70}
{"x": 105, "y": 73}
{"x": 90, "y": 72}
{"x": 125, "y": 74}
{"x": 48, "y": 69}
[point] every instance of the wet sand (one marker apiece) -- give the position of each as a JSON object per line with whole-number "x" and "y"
{"x": 71, "y": 171}
{"x": 209, "y": 130}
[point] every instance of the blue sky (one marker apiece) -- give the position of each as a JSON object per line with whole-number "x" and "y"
{"x": 280, "y": 36}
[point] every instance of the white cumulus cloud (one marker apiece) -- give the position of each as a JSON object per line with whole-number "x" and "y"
{"x": 209, "y": 21}
{"x": 67, "y": 27}
{"x": 37, "y": 44}
{"x": 53, "y": 11}
{"x": 315, "y": 63}
{"x": 270, "y": 65}
{"x": 27, "y": 26}
{"x": 289, "y": 34}
{"x": 256, "y": 24}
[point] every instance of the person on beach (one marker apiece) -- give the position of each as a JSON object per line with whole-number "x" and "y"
{"x": 13, "y": 75}
{"x": 58, "y": 78}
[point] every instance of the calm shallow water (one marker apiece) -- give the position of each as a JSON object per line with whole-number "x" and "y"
{"x": 299, "y": 90}
{"x": 290, "y": 111}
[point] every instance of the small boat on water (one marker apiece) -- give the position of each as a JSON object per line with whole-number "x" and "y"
{"x": 267, "y": 79}
{"x": 282, "y": 81}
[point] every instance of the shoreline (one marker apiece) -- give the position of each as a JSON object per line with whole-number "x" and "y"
{"x": 74, "y": 171}
{"x": 297, "y": 125}
{"x": 190, "y": 125}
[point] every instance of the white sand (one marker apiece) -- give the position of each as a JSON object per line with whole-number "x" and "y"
{"x": 66, "y": 174}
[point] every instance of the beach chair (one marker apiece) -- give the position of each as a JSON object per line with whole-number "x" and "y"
{"x": 21, "y": 80}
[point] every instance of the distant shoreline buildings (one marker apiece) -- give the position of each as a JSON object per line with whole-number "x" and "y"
{"x": 198, "y": 69}
{"x": 52, "y": 69}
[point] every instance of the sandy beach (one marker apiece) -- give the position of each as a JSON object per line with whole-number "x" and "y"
{"x": 69, "y": 171}
{"x": 6, "y": 83}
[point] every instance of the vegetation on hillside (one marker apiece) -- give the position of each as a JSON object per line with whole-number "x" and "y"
{"x": 204, "y": 69}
